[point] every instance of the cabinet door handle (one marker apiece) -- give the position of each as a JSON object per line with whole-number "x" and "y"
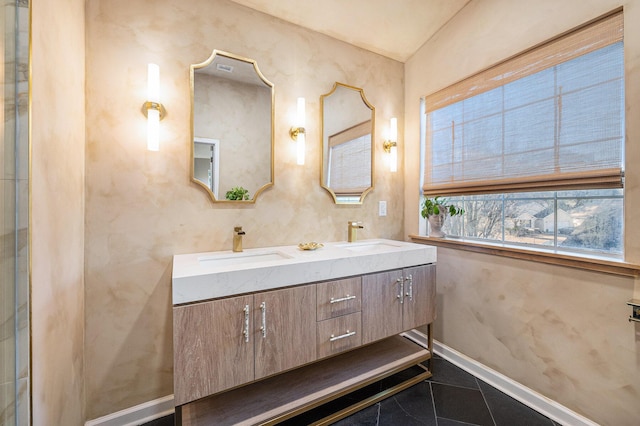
{"x": 245, "y": 331}
{"x": 342, "y": 299}
{"x": 400, "y": 296}
{"x": 342, "y": 336}
{"x": 410, "y": 292}
{"x": 263, "y": 308}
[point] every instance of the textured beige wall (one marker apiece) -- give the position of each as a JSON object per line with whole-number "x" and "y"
{"x": 57, "y": 211}
{"x": 559, "y": 331}
{"x": 141, "y": 207}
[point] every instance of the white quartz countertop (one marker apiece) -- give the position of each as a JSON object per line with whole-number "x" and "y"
{"x": 203, "y": 276}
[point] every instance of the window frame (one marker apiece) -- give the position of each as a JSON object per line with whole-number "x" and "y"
{"x": 571, "y": 258}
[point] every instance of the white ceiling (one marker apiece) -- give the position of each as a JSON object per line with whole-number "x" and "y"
{"x": 393, "y": 28}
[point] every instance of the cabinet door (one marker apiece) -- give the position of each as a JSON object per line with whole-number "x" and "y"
{"x": 381, "y": 305}
{"x": 211, "y": 351}
{"x": 419, "y": 296}
{"x": 285, "y": 329}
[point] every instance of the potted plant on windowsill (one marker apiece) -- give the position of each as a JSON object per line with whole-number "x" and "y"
{"x": 436, "y": 210}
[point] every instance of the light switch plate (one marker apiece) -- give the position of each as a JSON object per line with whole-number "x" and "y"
{"x": 382, "y": 208}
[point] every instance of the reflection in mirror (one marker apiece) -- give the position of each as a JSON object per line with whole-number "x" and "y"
{"x": 348, "y": 123}
{"x": 232, "y": 113}
{"x": 206, "y": 163}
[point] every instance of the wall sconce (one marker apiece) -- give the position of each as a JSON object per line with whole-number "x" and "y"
{"x": 391, "y": 146}
{"x": 297, "y": 132}
{"x": 153, "y": 109}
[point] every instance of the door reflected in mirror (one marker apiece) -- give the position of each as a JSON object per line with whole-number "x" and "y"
{"x": 348, "y": 123}
{"x": 206, "y": 163}
{"x": 232, "y": 128}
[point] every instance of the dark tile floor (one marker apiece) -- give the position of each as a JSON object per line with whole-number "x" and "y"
{"x": 452, "y": 397}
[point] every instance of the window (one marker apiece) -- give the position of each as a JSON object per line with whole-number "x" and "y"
{"x": 578, "y": 222}
{"x": 533, "y": 147}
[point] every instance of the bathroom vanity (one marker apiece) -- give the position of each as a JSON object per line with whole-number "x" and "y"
{"x": 266, "y": 334}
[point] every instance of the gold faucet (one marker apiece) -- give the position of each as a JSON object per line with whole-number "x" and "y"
{"x": 237, "y": 238}
{"x": 353, "y": 230}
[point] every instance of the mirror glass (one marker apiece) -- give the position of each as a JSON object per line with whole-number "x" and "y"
{"x": 232, "y": 113}
{"x": 348, "y": 123}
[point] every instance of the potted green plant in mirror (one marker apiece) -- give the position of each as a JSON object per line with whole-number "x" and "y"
{"x": 237, "y": 193}
{"x": 436, "y": 210}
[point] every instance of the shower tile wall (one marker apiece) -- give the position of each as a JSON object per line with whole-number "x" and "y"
{"x": 14, "y": 192}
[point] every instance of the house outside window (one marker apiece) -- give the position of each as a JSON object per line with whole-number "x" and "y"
{"x": 533, "y": 148}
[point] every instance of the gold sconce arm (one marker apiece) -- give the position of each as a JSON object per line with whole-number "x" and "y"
{"x": 387, "y": 145}
{"x": 155, "y": 106}
{"x": 295, "y": 131}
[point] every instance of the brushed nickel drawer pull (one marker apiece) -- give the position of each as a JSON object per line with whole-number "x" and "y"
{"x": 342, "y": 336}
{"x": 400, "y": 296}
{"x": 410, "y": 292}
{"x": 263, "y": 307}
{"x": 342, "y": 299}
{"x": 245, "y": 332}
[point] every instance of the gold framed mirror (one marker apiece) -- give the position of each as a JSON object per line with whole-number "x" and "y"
{"x": 232, "y": 125}
{"x": 347, "y": 135}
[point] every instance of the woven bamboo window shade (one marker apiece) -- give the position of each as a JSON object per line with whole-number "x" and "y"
{"x": 551, "y": 118}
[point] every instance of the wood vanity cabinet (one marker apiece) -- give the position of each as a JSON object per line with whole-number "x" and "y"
{"x": 225, "y": 343}
{"x": 264, "y": 357}
{"x": 396, "y": 301}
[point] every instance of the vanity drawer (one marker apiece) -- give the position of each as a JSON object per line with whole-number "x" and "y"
{"x": 339, "y": 334}
{"x": 340, "y": 297}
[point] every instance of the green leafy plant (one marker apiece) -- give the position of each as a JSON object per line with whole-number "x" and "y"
{"x": 437, "y": 205}
{"x": 237, "y": 193}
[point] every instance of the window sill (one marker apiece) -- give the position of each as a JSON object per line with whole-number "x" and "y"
{"x": 591, "y": 264}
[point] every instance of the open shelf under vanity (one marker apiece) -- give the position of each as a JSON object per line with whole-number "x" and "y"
{"x": 283, "y": 397}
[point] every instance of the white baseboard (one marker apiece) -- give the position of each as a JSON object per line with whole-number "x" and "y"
{"x": 517, "y": 391}
{"x": 137, "y": 415}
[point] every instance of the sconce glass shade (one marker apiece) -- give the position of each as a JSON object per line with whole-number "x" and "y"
{"x": 153, "y": 83}
{"x": 391, "y": 145}
{"x": 298, "y": 132}
{"x": 153, "y": 109}
{"x": 393, "y": 132}
{"x": 301, "y": 116}
{"x": 393, "y": 159}
{"x": 153, "y": 130}
{"x": 300, "y": 148}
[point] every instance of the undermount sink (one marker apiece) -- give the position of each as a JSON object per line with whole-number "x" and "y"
{"x": 241, "y": 258}
{"x": 369, "y": 246}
